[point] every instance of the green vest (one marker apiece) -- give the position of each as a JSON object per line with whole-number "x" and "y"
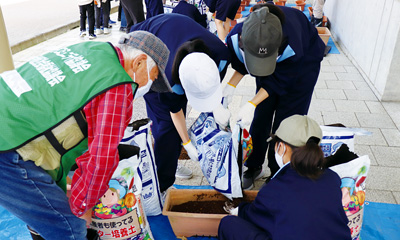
{"x": 41, "y": 101}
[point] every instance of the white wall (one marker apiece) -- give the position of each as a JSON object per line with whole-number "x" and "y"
{"x": 368, "y": 32}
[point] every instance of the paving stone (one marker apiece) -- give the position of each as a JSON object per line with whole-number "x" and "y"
{"x": 317, "y": 116}
{"x": 361, "y": 85}
{"x": 375, "y": 139}
{"x": 362, "y": 150}
{"x": 345, "y": 118}
{"x": 397, "y": 197}
{"x": 387, "y": 156}
{"x": 327, "y": 76}
{"x": 351, "y": 106}
{"x": 345, "y": 76}
{"x": 322, "y": 105}
{"x": 330, "y": 94}
{"x": 333, "y": 69}
{"x": 321, "y": 84}
{"x": 375, "y": 120}
{"x": 340, "y": 85}
{"x": 392, "y": 136}
{"x": 375, "y": 107}
{"x": 380, "y": 196}
{"x": 351, "y": 69}
{"x": 383, "y": 178}
{"x": 367, "y": 95}
{"x": 393, "y": 109}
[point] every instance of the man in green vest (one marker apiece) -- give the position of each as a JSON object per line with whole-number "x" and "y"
{"x": 65, "y": 107}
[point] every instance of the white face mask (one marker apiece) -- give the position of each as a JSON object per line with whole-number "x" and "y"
{"x": 279, "y": 158}
{"x": 143, "y": 90}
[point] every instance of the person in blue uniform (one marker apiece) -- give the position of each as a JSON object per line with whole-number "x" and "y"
{"x": 191, "y": 11}
{"x": 282, "y": 50}
{"x": 182, "y": 35}
{"x": 225, "y": 12}
{"x": 153, "y": 8}
{"x": 303, "y": 201}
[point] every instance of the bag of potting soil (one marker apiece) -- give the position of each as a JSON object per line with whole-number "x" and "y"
{"x": 139, "y": 134}
{"x": 353, "y": 175}
{"x": 334, "y": 137}
{"x": 119, "y": 212}
{"x": 218, "y": 154}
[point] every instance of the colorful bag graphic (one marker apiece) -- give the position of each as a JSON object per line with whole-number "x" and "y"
{"x": 353, "y": 175}
{"x": 119, "y": 214}
{"x": 218, "y": 153}
{"x": 139, "y": 134}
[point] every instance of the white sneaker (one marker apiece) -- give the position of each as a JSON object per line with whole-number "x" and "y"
{"x": 82, "y": 34}
{"x": 99, "y": 31}
{"x": 107, "y": 31}
{"x": 183, "y": 172}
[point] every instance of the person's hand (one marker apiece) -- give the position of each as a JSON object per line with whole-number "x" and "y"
{"x": 191, "y": 150}
{"x": 230, "y": 208}
{"x": 87, "y": 216}
{"x": 221, "y": 116}
{"x": 227, "y": 94}
{"x": 246, "y": 114}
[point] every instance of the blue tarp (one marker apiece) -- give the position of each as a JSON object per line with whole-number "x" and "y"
{"x": 381, "y": 222}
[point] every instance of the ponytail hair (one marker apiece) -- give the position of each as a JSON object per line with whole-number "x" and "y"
{"x": 308, "y": 160}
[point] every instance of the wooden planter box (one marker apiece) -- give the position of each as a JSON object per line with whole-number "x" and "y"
{"x": 195, "y": 224}
{"x": 324, "y": 34}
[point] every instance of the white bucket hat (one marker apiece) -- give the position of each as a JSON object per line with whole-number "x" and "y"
{"x": 200, "y": 79}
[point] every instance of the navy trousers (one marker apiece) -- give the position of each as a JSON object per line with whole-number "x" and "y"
{"x": 236, "y": 228}
{"x": 267, "y": 117}
{"x": 134, "y": 13}
{"x": 167, "y": 142}
{"x": 153, "y": 8}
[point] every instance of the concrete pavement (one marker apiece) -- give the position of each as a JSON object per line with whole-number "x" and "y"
{"x": 341, "y": 96}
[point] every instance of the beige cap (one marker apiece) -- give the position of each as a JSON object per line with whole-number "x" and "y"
{"x": 297, "y": 130}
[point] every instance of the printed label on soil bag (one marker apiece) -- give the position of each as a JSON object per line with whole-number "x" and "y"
{"x": 119, "y": 213}
{"x": 334, "y": 137}
{"x": 353, "y": 175}
{"x": 118, "y": 228}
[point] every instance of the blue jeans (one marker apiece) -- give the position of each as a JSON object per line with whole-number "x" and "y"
{"x": 28, "y": 192}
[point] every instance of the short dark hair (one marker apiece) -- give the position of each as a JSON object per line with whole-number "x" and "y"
{"x": 196, "y": 45}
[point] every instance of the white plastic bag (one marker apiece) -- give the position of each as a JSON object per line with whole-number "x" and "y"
{"x": 142, "y": 138}
{"x": 353, "y": 175}
{"x": 218, "y": 153}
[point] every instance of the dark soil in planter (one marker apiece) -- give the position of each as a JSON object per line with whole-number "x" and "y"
{"x": 207, "y": 207}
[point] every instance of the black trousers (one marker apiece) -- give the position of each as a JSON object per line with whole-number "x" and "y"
{"x": 103, "y": 19}
{"x": 134, "y": 13}
{"x": 89, "y": 9}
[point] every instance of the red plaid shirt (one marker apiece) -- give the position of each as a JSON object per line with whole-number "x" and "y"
{"x": 107, "y": 116}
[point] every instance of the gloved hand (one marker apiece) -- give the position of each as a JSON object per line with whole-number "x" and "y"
{"x": 191, "y": 150}
{"x": 221, "y": 116}
{"x": 229, "y": 208}
{"x": 209, "y": 16}
{"x": 246, "y": 114}
{"x": 227, "y": 94}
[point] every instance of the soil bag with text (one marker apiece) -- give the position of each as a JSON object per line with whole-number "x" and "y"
{"x": 218, "y": 154}
{"x": 139, "y": 134}
{"x": 119, "y": 213}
